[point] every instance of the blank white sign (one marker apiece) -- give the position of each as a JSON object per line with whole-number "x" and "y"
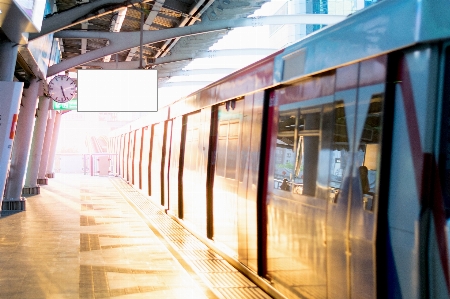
{"x": 117, "y": 90}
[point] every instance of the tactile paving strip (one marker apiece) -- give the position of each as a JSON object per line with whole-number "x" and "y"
{"x": 222, "y": 278}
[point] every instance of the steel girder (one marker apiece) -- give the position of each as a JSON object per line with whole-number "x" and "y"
{"x": 85, "y": 12}
{"x": 179, "y": 57}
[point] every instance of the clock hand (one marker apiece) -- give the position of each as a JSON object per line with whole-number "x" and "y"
{"x": 63, "y": 92}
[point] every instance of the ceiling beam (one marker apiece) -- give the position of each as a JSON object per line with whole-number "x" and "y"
{"x": 115, "y": 26}
{"x": 197, "y": 10}
{"x": 151, "y": 17}
{"x": 212, "y": 54}
{"x": 85, "y": 12}
{"x": 120, "y": 41}
{"x": 179, "y": 57}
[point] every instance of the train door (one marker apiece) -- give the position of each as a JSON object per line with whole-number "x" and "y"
{"x": 131, "y": 157}
{"x": 225, "y": 204}
{"x": 145, "y": 161}
{"x": 364, "y": 194}
{"x": 165, "y": 164}
{"x": 111, "y": 150}
{"x": 301, "y": 128}
{"x": 125, "y": 156}
{"x": 137, "y": 158}
{"x": 121, "y": 154}
{"x": 115, "y": 156}
{"x": 174, "y": 168}
{"x": 248, "y": 180}
{"x": 156, "y": 163}
{"x": 194, "y": 199}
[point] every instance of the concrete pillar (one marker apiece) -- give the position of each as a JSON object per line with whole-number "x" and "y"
{"x": 9, "y": 106}
{"x": 51, "y": 156}
{"x": 9, "y": 110}
{"x": 42, "y": 179}
{"x": 31, "y": 186}
{"x": 22, "y": 141}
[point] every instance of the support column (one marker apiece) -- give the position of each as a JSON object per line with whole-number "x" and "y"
{"x": 51, "y": 156}
{"x": 31, "y": 186}
{"x": 9, "y": 110}
{"x": 22, "y": 142}
{"x": 9, "y": 106}
{"x": 42, "y": 179}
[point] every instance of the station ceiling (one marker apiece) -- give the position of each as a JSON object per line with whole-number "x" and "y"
{"x": 157, "y": 15}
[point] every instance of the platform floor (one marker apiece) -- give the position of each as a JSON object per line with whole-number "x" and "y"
{"x": 96, "y": 237}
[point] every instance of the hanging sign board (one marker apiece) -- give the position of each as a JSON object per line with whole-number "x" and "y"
{"x": 70, "y": 105}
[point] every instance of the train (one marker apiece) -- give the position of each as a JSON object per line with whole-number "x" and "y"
{"x": 323, "y": 168}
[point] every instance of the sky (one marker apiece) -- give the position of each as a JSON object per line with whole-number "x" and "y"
{"x": 239, "y": 38}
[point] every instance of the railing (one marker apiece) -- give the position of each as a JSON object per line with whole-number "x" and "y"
{"x": 94, "y": 164}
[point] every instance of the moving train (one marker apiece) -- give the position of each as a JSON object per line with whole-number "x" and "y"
{"x": 323, "y": 168}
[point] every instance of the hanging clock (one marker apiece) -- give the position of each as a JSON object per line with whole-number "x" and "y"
{"x": 62, "y": 89}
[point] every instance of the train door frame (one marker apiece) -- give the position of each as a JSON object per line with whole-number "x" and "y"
{"x": 445, "y": 104}
{"x": 263, "y": 180}
{"x": 382, "y": 231}
{"x": 181, "y": 166}
{"x": 211, "y": 170}
{"x": 162, "y": 166}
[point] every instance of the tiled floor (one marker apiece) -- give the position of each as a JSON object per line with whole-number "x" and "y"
{"x": 81, "y": 239}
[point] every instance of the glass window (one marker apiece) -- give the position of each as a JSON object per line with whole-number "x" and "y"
{"x": 227, "y": 149}
{"x": 297, "y": 151}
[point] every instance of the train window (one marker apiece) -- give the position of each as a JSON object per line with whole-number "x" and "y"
{"x": 369, "y": 145}
{"x": 297, "y": 151}
{"x": 340, "y": 150}
{"x": 227, "y": 149}
{"x": 222, "y": 149}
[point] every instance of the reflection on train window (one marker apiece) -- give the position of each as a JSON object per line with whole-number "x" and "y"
{"x": 297, "y": 151}
{"x": 366, "y": 149}
{"x": 340, "y": 153}
{"x": 369, "y": 144}
{"x": 227, "y": 149}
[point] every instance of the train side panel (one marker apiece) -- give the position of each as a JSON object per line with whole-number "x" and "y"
{"x": 225, "y": 201}
{"x": 156, "y": 162}
{"x": 194, "y": 174}
{"x": 248, "y": 180}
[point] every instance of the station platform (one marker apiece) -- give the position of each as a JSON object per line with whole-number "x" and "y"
{"x": 97, "y": 237}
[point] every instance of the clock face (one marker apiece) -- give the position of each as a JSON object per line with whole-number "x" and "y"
{"x": 62, "y": 89}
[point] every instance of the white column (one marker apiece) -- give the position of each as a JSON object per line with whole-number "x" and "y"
{"x": 51, "y": 155}
{"x": 42, "y": 179}
{"x": 9, "y": 110}
{"x": 31, "y": 186}
{"x": 22, "y": 141}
